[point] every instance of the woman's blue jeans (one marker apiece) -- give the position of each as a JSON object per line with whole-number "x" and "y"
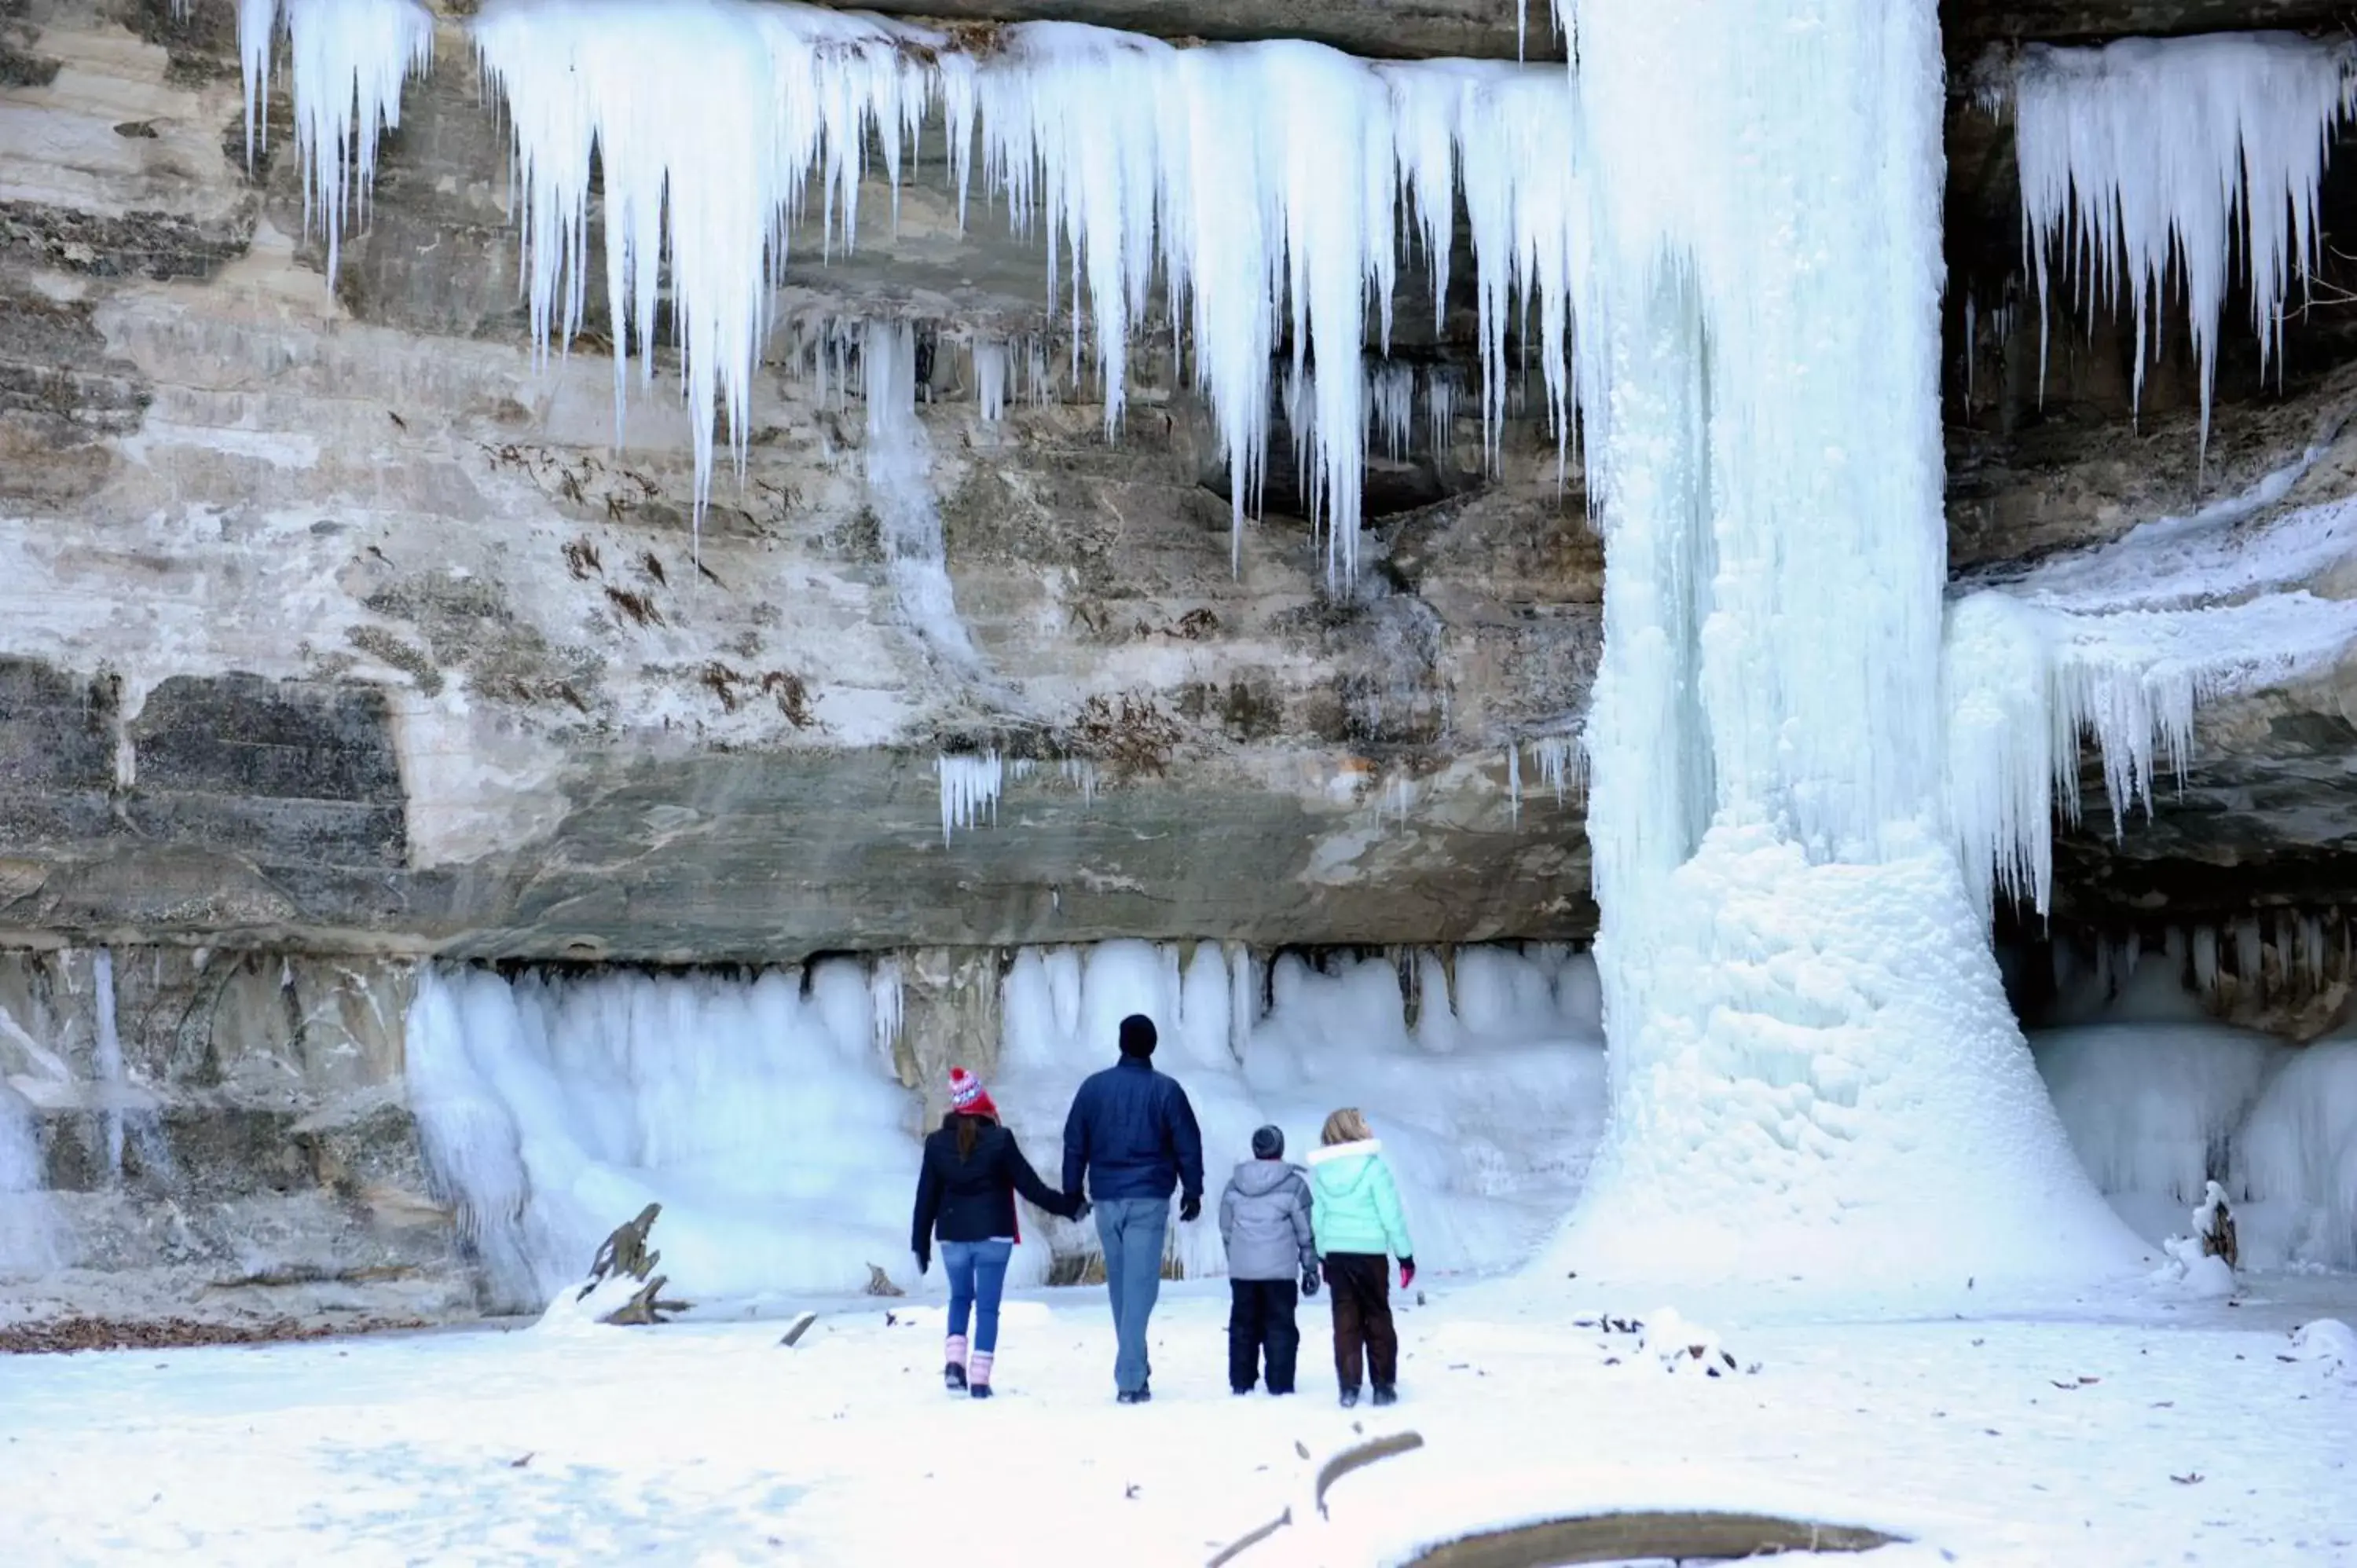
{"x": 977, "y": 1272}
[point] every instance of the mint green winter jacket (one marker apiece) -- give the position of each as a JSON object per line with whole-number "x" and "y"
{"x": 1355, "y": 1207}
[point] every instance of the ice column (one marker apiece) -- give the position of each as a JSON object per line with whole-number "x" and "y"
{"x": 1814, "y": 1071}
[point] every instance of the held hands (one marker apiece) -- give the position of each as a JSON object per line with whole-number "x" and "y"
{"x": 1190, "y": 1209}
{"x": 1407, "y": 1273}
{"x": 1079, "y": 1210}
{"x": 1309, "y": 1283}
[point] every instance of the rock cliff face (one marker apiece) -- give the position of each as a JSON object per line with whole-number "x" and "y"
{"x": 340, "y": 632}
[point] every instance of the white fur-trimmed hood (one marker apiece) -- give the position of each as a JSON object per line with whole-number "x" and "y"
{"x": 1324, "y": 1151}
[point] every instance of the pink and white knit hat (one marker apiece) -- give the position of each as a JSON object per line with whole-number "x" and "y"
{"x": 968, "y": 1096}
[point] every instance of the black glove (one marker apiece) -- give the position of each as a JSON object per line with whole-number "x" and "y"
{"x": 925, "y": 1262}
{"x": 1190, "y": 1209}
{"x": 1309, "y": 1281}
{"x": 1080, "y": 1208}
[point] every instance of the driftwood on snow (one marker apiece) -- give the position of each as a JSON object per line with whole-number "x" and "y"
{"x": 626, "y": 1255}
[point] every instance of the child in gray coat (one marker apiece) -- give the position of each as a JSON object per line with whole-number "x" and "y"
{"x": 1264, "y": 1222}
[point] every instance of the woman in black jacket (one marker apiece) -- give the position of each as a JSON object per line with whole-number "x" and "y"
{"x": 966, "y": 1194}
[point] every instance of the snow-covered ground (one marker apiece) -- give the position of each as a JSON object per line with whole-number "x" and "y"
{"x": 2130, "y": 1429}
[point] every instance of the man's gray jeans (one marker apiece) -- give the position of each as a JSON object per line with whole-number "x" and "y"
{"x": 1132, "y": 1229}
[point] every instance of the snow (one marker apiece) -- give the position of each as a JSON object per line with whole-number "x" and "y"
{"x": 2329, "y": 1341}
{"x": 754, "y": 1110}
{"x": 2001, "y": 1439}
{"x": 2148, "y": 158}
{"x": 1489, "y": 1100}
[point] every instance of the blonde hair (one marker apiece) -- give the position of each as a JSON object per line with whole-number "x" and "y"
{"x": 1345, "y": 1126}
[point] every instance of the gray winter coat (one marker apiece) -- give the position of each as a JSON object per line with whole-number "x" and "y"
{"x": 1264, "y": 1221}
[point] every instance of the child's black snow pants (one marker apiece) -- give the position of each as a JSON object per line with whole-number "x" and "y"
{"x": 1360, "y": 1284}
{"x": 1260, "y": 1315}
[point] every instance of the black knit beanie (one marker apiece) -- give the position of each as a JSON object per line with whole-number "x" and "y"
{"x": 1268, "y": 1144}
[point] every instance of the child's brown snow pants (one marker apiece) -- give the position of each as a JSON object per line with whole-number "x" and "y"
{"x": 1360, "y": 1284}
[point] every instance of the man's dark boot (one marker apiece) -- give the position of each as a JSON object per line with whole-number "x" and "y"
{"x": 1349, "y": 1398}
{"x": 1386, "y": 1394}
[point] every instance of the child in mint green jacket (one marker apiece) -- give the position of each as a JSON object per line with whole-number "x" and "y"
{"x": 1355, "y": 1216}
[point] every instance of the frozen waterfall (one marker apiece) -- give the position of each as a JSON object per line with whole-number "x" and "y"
{"x": 1803, "y": 775}
{"x": 1814, "y": 1071}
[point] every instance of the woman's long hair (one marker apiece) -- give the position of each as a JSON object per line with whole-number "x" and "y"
{"x": 969, "y": 1127}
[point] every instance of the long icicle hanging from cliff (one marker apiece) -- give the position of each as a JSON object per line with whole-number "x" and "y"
{"x": 2148, "y": 155}
{"x": 348, "y": 60}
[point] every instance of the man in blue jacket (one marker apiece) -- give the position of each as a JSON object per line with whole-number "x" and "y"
{"x": 1134, "y": 1135}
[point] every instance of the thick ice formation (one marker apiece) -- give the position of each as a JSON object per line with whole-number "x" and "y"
{"x": 756, "y": 1111}
{"x": 2121, "y": 643}
{"x": 2145, "y": 158}
{"x": 349, "y": 59}
{"x": 1489, "y": 1095}
{"x": 1814, "y": 1071}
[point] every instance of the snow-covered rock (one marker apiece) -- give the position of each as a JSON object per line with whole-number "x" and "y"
{"x": 1681, "y": 1347}
{"x": 2330, "y": 1342}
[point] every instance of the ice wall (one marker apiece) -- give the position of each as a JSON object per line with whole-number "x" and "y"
{"x": 757, "y": 1110}
{"x": 761, "y": 1112}
{"x": 2159, "y": 1100}
{"x": 2297, "y": 1154}
{"x": 29, "y": 1233}
{"x": 1488, "y": 1095}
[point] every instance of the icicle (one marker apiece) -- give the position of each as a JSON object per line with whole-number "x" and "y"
{"x": 1440, "y": 412}
{"x": 2205, "y": 961}
{"x": 1390, "y": 398}
{"x": 2250, "y": 957}
{"x": 2311, "y": 949}
{"x": 990, "y": 368}
{"x": 107, "y": 1060}
{"x": 884, "y": 1003}
{"x": 2138, "y": 157}
{"x": 1082, "y": 775}
{"x": 349, "y": 59}
{"x": 1560, "y": 762}
{"x": 705, "y": 120}
{"x": 1514, "y": 781}
{"x": 969, "y": 786}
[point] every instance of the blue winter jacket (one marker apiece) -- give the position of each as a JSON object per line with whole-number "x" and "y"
{"x": 1134, "y": 1134}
